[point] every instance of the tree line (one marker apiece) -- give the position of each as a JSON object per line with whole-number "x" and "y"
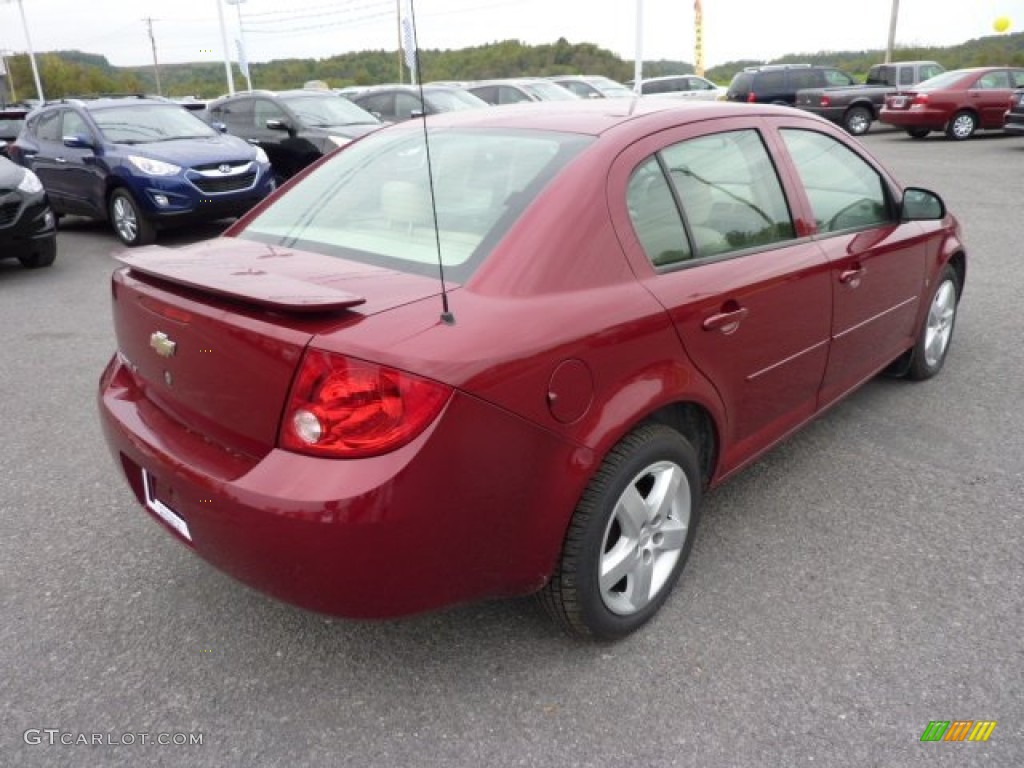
{"x": 69, "y": 73}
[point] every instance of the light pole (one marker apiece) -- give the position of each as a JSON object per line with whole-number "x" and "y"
{"x": 227, "y": 53}
{"x": 31, "y": 53}
{"x": 638, "y": 65}
{"x": 892, "y": 30}
{"x": 243, "y": 54}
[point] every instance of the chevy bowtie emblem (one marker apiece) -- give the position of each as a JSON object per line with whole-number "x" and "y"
{"x": 162, "y": 344}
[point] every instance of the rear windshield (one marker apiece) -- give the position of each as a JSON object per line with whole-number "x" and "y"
{"x": 371, "y": 202}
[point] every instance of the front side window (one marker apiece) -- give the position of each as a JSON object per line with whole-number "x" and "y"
{"x": 372, "y": 202}
{"x": 75, "y": 125}
{"x": 729, "y": 193}
{"x": 263, "y": 110}
{"x": 844, "y": 191}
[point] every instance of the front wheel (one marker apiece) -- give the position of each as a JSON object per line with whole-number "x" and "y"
{"x": 937, "y": 332}
{"x": 857, "y": 121}
{"x": 917, "y": 133}
{"x": 129, "y": 224}
{"x": 629, "y": 537}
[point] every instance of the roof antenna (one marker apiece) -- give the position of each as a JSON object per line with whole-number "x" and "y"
{"x": 412, "y": 60}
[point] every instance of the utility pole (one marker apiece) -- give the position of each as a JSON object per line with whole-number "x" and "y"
{"x": 638, "y": 64}
{"x": 892, "y": 30}
{"x": 31, "y": 53}
{"x": 152, "y": 42}
{"x": 398, "y": 23}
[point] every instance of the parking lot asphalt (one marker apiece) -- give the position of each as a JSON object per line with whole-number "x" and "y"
{"x": 863, "y": 579}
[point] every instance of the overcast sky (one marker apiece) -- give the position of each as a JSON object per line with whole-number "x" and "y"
{"x": 188, "y": 30}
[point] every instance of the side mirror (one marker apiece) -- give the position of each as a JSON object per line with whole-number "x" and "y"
{"x": 77, "y": 142}
{"x": 416, "y": 113}
{"x": 278, "y": 125}
{"x": 921, "y": 205}
{"x": 219, "y": 127}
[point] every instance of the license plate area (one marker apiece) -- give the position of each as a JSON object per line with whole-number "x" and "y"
{"x": 899, "y": 102}
{"x": 160, "y": 509}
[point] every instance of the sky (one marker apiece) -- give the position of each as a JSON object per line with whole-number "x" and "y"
{"x": 189, "y": 30}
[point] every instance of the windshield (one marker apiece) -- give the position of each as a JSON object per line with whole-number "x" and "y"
{"x": 452, "y": 100}
{"x": 144, "y": 123}
{"x": 322, "y": 111}
{"x": 371, "y": 202}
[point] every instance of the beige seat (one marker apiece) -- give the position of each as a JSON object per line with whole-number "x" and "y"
{"x": 404, "y": 204}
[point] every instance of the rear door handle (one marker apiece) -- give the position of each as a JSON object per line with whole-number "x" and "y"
{"x": 726, "y": 322}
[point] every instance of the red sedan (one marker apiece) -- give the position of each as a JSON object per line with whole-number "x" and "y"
{"x": 958, "y": 102}
{"x": 638, "y": 299}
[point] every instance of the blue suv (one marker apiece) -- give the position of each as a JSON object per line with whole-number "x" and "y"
{"x": 141, "y": 163}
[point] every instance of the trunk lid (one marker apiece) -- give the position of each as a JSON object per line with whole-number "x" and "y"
{"x": 213, "y": 333}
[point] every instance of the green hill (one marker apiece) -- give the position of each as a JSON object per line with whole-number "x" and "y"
{"x": 65, "y": 73}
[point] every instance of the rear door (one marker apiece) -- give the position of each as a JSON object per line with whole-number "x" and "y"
{"x": 81, "y": 180}
{"x": 707, "y": 220}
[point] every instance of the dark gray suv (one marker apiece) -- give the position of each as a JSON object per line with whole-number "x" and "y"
{"x": 778, "y": 83}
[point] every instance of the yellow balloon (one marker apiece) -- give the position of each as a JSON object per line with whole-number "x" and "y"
{"x": 1001, "y": 24}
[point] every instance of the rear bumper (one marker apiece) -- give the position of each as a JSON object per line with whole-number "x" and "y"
{"x": 1014, "y": 123}
{"x": 444, "y": 519}
{"x": 914, "y": 118}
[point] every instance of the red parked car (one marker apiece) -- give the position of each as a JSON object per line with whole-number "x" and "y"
{"x": 640, "y": 298}
{"x": 959, "y": 102}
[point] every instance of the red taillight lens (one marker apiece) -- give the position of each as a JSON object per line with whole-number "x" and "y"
{"x": 920, "y": 100}
{"x": 752, "y": 97}
{"x": 826, "y": 101}
{"x": 345, "y": 408}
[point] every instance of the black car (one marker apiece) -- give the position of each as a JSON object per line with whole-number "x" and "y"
{"x": 395, "y": 103}
{"x": 778, "y": 83}
{"x": 12, "y": 118}
{"x": 1014, "y": 120}
{"x": 294, "y": 128}
{"x": 28, "y": 229}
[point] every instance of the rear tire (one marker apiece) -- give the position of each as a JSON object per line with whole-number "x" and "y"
{"x": 918, "y": 133}
{"x": 962, "y": 126}
{"x": 857, "y": 121}
{"x": 130, "y": 226}
{"x": 629, "y": 537}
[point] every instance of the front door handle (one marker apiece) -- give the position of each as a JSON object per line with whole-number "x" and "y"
{"x": 726, "y": 322}
{"x": 852, "y": 277}
{"x": 59, "y": 160}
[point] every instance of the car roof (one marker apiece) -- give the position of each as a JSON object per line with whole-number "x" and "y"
{"x": 594, "y": 117}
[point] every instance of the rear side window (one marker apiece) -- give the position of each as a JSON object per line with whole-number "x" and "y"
{"x": 47, "y": 127}
{"x": 727, "y": 189}
{"x": 844, "y": 191}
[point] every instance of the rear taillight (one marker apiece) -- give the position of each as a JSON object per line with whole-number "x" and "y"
{"x": 752, "y": 97}
{"x": 340, "y": 407}
{"x": 919, "y": 100}
{"x": 826, "y": 101}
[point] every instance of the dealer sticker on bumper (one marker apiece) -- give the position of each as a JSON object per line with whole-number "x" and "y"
{"x": 161, "y": 510}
